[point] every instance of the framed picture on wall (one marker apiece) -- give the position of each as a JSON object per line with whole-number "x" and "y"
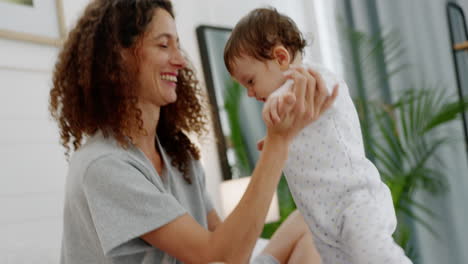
{"x": 237, "y": 118}
{"x": 38, "y": 21}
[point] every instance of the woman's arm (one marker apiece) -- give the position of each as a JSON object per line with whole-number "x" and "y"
{"x": 233, "y": 239}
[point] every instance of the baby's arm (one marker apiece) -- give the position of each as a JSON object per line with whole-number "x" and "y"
{"x": 278, "y": 103}
{"x": 282, "y": 100}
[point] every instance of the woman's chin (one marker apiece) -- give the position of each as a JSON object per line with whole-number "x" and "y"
{"x": 171, "y": 98}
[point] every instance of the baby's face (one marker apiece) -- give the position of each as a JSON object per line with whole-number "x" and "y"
{"x": 261, "y": 78}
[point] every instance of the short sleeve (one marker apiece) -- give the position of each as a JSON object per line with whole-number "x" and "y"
{"x": 329, "y": 77}
{"x": 125, "y": 204}
{"x": 200, "y": 174}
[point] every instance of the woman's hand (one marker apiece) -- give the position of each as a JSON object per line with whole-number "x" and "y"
{"x": 289, "y": 113}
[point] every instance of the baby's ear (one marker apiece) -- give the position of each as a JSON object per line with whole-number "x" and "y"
{"x": 282, "y": 57}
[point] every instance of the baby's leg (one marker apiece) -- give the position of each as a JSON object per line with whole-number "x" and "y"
{"x": 302, "y": 252}
{"x": 292, "y": 242}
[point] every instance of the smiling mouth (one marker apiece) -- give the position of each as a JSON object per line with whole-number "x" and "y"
{"x": 170, "y": 78}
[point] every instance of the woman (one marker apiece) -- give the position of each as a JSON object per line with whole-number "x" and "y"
{"x": 125, "y": 101}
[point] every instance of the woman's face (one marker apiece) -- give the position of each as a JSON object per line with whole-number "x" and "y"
{"x": 159, "y": 61}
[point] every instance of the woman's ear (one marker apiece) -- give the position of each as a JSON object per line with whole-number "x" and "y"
{"x": 125, "y": 54}
{"x": 128, "y": 55}
{"x": 282, "y": 57}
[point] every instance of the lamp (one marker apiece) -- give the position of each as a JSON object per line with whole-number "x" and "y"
{"x": 233, "y": 190}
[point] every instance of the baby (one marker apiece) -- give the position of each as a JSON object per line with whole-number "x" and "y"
{"x": 337, "y": 189}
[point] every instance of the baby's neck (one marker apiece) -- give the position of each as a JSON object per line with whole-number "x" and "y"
{"x": 297, "y": 60}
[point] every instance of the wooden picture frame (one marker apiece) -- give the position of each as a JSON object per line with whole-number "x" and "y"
{"x": 33, "y": 23}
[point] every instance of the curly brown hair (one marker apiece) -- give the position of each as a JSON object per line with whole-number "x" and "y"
{"x": 94, "y": 90}
{"x": 259, "y": 32}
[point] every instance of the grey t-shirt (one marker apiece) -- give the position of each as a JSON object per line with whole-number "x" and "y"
{"x": 114, "y": 195}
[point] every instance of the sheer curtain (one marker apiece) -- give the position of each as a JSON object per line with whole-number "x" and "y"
{"x": 423, "y": 29}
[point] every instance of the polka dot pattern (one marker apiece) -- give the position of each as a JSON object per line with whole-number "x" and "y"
{"x": 338, "y": 190}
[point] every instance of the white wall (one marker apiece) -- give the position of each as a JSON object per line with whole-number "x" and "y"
{"x": 33, "y": 168}
{"x": 32, "y": 165}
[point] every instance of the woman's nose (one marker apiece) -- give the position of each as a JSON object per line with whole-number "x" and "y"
{"x": 178, "y": 59}
{"x": 250, "y": 93}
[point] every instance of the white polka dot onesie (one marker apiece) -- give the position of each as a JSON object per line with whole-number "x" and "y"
{"x": 339, "y": 191}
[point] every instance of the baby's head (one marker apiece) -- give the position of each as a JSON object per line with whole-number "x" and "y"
{"x": 262, "y": 45}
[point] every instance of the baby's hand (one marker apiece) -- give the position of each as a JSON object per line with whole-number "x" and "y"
{"x": 308, "y": 101}
{"x": 279, "y": 103}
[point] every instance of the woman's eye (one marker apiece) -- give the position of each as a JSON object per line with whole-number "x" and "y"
{"x": 164, "y": 46}
{"x": 250, "y": 82}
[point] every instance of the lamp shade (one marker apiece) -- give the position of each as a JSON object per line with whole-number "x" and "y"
{"x": 232, "y": 191}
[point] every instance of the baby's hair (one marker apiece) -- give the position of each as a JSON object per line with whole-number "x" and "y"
{"x": 259, "y": 32}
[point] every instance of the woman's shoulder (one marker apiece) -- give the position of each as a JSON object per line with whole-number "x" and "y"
{"x": 95, "y": 147}
{"x": 99, "y": 150}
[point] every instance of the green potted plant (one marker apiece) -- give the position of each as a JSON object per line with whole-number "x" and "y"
{"x": 398, "y": 136}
